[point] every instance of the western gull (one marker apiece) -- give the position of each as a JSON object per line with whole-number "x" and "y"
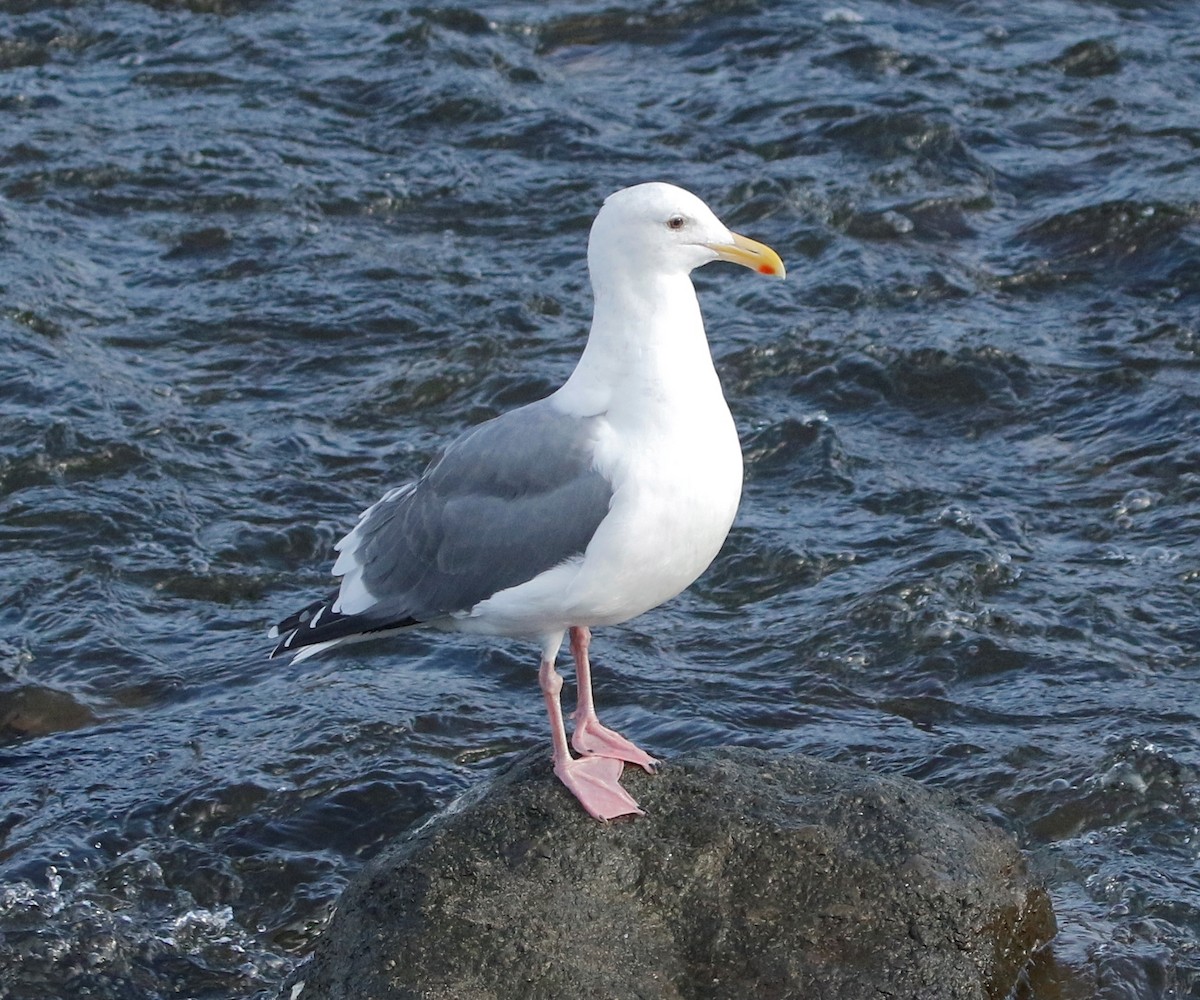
{"x": 585, "y": 508}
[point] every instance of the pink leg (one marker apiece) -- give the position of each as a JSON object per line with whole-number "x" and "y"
{"x": 593, "y": 781}
{"x": 590, "y": 738}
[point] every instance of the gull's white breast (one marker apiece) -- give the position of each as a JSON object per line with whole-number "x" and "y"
{"x": 677, "y": 477}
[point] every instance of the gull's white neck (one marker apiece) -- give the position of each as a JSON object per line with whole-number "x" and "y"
{"x": 646, "y": 350}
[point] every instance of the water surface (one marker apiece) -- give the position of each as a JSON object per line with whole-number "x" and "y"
{"x": 259, "y": 259}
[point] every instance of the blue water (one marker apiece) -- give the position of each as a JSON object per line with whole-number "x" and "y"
{"x": 259, "y": 259}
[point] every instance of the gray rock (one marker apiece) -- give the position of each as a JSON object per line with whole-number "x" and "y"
{"x": 754, "y": 875}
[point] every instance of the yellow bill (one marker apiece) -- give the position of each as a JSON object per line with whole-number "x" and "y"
{"x": 750, "y": 253}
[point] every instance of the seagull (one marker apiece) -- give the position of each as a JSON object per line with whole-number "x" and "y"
{"x": 583, "y": 509}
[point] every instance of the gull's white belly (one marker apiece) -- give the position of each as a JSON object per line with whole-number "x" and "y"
{"x": 670, "y": 516}
{"x": 676, "y": 494}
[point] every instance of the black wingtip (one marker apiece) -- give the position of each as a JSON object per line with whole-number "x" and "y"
{"x": 287, "y": 629}
{"x": 281, "y": 646}
{"x": 318, "y": 622}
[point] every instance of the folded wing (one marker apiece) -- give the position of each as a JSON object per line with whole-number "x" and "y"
{"x": 509, "y": 499}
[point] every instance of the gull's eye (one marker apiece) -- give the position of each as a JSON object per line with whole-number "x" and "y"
{"x": 676, "y": 222}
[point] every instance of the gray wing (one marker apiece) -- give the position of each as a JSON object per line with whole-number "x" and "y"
{"x": 511, "y": 498}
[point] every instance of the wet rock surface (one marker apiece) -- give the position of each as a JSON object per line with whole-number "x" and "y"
{"x": 752, "y": 875}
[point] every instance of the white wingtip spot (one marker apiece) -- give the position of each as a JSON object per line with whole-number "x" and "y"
{"x": 273, "y": 632}
{"x": 297, "y": 990}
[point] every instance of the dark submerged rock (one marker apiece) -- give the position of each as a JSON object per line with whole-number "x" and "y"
{"x": 1093, "y": 57}
{"x": 753, "y": 875}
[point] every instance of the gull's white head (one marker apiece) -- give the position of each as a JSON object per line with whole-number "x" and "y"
{"x": 662, "y": 229}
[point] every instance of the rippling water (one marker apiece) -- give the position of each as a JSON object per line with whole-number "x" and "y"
{"x": 257, "y": 259}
